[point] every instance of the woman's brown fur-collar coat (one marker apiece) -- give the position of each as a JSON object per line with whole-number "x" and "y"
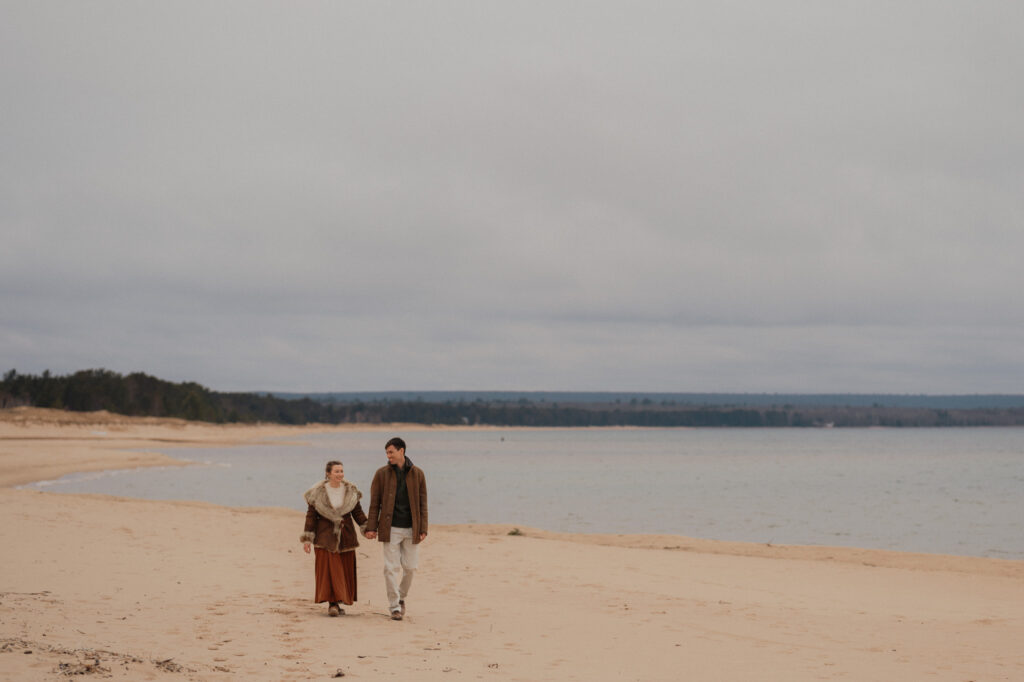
{"x": 331, "y": 528}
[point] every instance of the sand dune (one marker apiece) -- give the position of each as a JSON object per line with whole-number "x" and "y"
{"x": 132, "y": 589}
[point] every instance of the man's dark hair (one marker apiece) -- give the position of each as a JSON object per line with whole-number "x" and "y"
{"x": 397, "y": 442}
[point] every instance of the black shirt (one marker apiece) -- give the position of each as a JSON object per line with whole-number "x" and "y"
{"x": 401, "y": 517}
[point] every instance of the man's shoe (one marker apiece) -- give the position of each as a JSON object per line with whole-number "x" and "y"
{"x": 334, "y": 610}
{"x": 396, "y": 615}
{"x": 401, "y": 606}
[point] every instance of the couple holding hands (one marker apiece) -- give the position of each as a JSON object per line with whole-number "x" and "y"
{"x": 396, "y": 517}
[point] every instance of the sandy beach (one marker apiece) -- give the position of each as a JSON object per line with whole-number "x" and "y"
{"x": 129, "y": 589}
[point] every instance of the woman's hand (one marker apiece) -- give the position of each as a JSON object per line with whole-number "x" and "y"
{"x": 306, "y": 547}
{"x": 370, "y": 534}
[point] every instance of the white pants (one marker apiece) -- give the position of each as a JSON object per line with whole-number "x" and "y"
{"x": 399, "y": 555}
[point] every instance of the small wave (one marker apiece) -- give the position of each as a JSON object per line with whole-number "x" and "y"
{"x": 200, "y": 462}
{"x": 1003, "y": 554}
{"x": 37, "y": 484}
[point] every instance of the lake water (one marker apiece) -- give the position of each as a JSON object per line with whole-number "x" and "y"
{"x": 949, "y": 491}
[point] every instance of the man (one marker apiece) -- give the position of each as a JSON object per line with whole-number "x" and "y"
{"x": 397, "y": 517}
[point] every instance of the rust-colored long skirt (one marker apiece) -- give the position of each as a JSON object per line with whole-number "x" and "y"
{"x": 335, "y": 576}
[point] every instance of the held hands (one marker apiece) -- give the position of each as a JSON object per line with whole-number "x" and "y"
{"x": 372, "y": 535}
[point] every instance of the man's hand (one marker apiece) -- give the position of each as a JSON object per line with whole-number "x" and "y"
{"x": 423, "y": 536}
{"x": 371, "y": 535}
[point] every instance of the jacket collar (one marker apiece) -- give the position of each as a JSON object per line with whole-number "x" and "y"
{"x": 317, "y": 497}
{"x": 406, "y": 467}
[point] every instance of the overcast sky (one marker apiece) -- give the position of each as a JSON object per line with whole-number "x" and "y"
{"x": 730, "y": 196}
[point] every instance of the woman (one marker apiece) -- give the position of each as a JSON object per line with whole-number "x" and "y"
{"x": 333, "y": 504}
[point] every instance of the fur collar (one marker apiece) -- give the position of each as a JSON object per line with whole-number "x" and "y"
{"x": 317, "y": 497}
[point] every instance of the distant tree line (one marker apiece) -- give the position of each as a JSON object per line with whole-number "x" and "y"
{"x": 525, "y": 413}
{"x": 140, "y": 394}
{"x": 143, "y": 395}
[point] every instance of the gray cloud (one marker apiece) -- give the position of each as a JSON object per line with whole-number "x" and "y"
{"x": 794, "y": 197}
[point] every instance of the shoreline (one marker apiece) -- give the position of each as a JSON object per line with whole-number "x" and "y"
{"x": 89, "y": 580}
{"x": 101, "y": 441}
{"x": 121, "y": 446}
